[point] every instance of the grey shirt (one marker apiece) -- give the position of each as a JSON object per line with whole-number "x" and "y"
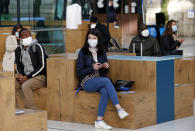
{"x": 26, "y": 60}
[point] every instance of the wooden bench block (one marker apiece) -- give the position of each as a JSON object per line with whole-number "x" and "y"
{"x": 140, "y": 106}
{"x": 7, "y": 107}
{"x": 29, "y": 121}
{"x": 133, "y": 70}
{"x": 61, "y": 81}
{"x": 32, "y": 120}
{"x": 185, "y": 71}
{"x": 40, "y": 97}
{"x": 183, "y": 101}
{"x": 7, "y": 74}
{"x": 150, "y": 88}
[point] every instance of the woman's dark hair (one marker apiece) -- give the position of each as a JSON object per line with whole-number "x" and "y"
{"x": 168, "y": 29}
{"x": 15, "y": 28}
{"x": 100, "y": 44}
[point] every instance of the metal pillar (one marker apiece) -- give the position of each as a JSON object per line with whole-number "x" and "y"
{"x": 107, "y": 11}
{"x": 18, "y": 11}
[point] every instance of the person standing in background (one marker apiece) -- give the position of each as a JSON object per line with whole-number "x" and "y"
{"x": 111, "y": 16}
{"x": 11, "y": 44}
{"x": 103, "y": 30}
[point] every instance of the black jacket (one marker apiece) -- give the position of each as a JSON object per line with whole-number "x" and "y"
{"x": 150, "y": 46}
{"x": 111, "y": 15}
{"x": 168, "y": 45}
{"x": 38, "y": 58}
{"x": 85, "y": 64}
{"x": 105, "y": 34}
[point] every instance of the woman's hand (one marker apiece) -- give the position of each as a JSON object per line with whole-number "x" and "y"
{"x": 97, "y": 66}
{"x": 106, "y": 65}
{"x": 181, "y": 40}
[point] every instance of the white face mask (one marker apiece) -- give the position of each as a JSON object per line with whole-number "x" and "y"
{"x": 174, "y": 28}
{"x": 145, "y": 33}
{"x": 27, "y": 41}
{"x": 92, "y": 43}
{"x": 92, "y": 26}
{"x": 17, "y": 34}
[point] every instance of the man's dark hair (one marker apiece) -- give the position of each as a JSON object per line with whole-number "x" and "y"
{"x": 142, "y": 27}
{"x": 23, "y": 30}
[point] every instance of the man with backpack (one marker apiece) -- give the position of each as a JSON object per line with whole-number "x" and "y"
{"x": 30, "y": 58}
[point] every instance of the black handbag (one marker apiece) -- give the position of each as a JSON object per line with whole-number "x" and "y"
{"x": 122, "y": 85}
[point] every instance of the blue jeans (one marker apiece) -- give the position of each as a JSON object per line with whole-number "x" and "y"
{"x": 107, "y": 90}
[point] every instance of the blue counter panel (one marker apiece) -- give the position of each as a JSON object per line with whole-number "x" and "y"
{"x": 165, "y": 91}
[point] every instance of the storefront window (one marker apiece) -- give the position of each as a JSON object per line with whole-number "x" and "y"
{"x": 46, "y": 18}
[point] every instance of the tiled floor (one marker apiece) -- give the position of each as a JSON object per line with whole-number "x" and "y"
{"x": 185, "y": 124}
{"x": 188, "y": 46}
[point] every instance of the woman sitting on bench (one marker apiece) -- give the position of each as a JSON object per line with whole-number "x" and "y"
{"x": 92, "y": 67}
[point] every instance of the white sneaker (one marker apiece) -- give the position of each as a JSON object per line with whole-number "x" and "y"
{"x": 102, "y": 125}
{"x": 122, "y": 113}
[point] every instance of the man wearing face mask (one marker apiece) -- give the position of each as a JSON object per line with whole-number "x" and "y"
{"x": 143, "y": 44}
{"x": 94, "y": 23}
{"x": 169, "y": 41}
{"x": 31, "y": 67}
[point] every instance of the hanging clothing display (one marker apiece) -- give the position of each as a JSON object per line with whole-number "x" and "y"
{"x": 73, "y": 16}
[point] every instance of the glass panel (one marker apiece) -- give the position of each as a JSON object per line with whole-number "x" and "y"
{"x": 51, "y": 39}
{"x": 46, "y": 18}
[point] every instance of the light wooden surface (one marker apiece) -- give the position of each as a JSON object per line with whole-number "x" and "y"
{"x": 40, "y": 97}
{"x": 133, "y": 70}
{"x": 64, "y": 55}
{"x": 120, "y": 53}
{"x": 183, "y": 101}
{"x": 63, "y": 105}
{"x": 7, "y": 100}
{"x": 75, "y": 38}
{"x": 2, "y": 46}
{"x": 140, "y": 106}
{"x": 61, "y": 80}
{"x": 7, "y": 74}
{"x": 185, "y": 71}
{"x": 31, "y": 120}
